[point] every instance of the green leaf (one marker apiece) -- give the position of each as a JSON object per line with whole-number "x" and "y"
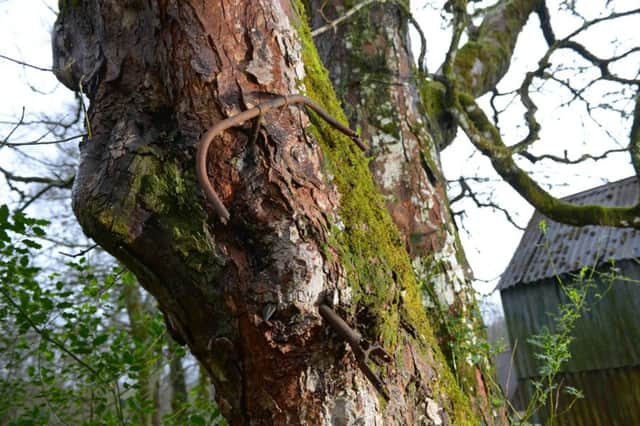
{"x": 31, "y": 244}
{"x": 100, "y": 339}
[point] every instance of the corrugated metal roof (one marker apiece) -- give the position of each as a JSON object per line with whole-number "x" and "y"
{"x": 566, "y": 248}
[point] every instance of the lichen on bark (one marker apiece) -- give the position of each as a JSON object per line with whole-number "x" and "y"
{"x": 371, "y": 67}
{"x": 372, "y": 237}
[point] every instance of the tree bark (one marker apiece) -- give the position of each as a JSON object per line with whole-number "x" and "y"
{"x": 306, "y": 226}
{"x": 371, "y": 65}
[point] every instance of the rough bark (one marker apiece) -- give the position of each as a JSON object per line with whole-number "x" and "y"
{"x": 370, "y": 63}
{"x": 306, "y": 222}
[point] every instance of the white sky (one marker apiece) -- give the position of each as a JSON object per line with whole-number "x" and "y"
{"x": 488, "y": 239}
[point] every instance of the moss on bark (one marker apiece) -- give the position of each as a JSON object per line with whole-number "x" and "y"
{"x": 378, "y": 267}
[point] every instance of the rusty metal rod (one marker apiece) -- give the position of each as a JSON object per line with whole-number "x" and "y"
{"x": 258, "y": 110}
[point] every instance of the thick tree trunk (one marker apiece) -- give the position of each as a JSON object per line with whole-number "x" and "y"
{"x": 370, "y": 63}
{"x": 306, "y": 227}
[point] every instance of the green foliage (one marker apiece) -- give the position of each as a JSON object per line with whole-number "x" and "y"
{"x": 67, "y": 353}
{"x": 553, "y": 346}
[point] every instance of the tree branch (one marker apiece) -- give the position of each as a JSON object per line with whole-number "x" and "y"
{"x": 545, "y": 23}
{"x": 467, "y": 191}
{"x": 41, "y": 142}
{"x": 484, "y": 60}
{"x": 487, "y": 140}
{"x": 566, "y": 160}
{"x": 332, "y": 25}
{"x": 24, "y": 64}
{"x": 49, "y": 184}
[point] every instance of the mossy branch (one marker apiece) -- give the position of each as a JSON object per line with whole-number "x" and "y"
{"x": 487, "y": 139}
{"x": 485, "y": 59}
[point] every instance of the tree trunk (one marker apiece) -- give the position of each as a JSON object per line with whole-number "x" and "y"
{"x": 307, "y": 226}
{"x": 177, "y": 381}
{"x": 147, "y": 381}
{"x": 370, "y": 63}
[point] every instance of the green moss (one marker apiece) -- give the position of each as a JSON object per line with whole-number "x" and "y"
{"x": 432, "y": 94}
{"x": 160, "y": 189}
{"x": 377, "y": 265}
{"x": 492, "y": 47}
{"x": 65, "y": 5}
{"x": 490, "y": 56}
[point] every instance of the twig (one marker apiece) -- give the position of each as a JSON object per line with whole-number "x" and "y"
{"x": 25, "y": 64}
{"x": 467, "y": 191}
{"x": 37, "y": 142}
{"x": 566, "y": 160}
{"x": 80, "y": 253}
{"x": 333, "y": 24}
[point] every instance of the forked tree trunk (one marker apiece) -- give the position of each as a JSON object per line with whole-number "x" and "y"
{"x": 371, "y": 65}
{"x": 306, "y": 227}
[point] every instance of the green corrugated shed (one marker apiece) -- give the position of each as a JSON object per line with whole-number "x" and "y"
{"x": 605, "y": 361}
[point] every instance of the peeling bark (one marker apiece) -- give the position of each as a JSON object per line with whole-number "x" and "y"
{"x": 306, "y": 222}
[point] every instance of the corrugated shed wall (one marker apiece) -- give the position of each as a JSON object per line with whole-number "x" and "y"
{"x": 612, "y": 398}
{"x": 607, "y": 335}
{"x": 605, "y": 362}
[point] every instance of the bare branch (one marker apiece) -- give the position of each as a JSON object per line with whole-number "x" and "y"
{"x": 24, "y": 64}
{"x": 41, "y": 142}
{"x": 15, "y": 127}
{"x": 466, "y": 191}
{"x": 545, "y": 23}
{"x": 60, "y": 183}
{"x": 593, "y": 22}
{"x": 80, "y": 253}
{"x": 541, "y": 72}
{"x": 332, "y": 25}
{"x": 602, "y": 64}
{"x": 566, "y": 160}
{"x": 49, "y": 184}
{"x": 348, "y": 14}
